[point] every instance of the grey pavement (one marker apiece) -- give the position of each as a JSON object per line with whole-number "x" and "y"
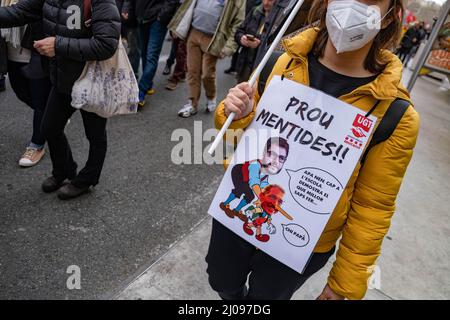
{"x": 143, "y": 232}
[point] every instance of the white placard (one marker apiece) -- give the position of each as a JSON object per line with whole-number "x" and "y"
{"x": 302, "y": 181}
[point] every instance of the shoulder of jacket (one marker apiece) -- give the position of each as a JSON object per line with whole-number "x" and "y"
{"x": 407, "y": 129}
{"x": 411, "y": 118}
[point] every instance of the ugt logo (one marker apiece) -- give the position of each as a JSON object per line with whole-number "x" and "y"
{"x": 361, "y": 126}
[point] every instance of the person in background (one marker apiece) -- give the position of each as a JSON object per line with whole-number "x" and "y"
{"x": 364, "y": 74}
{"x": 278, "y": 15}
{"x": 67, "y": 50}
{"x": 30, "y": 80}
{"x": 249, "y": 6}
{"x": 178, "y": 53}
{"x": 153, "y": 17}
{"x": 409, "y": 40}
{"x": 3, "y": 63}
{"x": 179, "y": 73}
{"x": 2, "y": 82}
{"x": 421, "y": 35}
{"x": 123, "y": 28}
{"x": 210, "y": 37}
{"x": 248, "y": 37}
{"x": 172, "y": 57}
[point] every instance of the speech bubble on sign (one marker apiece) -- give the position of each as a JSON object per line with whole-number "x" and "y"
{"x": 295, "y": 235}
{"x": 314, "y": 189}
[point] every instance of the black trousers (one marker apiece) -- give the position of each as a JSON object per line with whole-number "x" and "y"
{"x": 57, "y": 112}
{"x": 231, "y": 260}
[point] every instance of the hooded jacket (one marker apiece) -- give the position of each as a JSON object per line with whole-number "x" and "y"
{"x": 73, "y": 46}
{"x": 363, "y": 214}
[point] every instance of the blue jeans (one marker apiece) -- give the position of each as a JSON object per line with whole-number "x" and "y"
{"x": 152, "y": 39}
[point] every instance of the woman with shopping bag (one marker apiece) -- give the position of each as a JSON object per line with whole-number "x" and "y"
{"x": 76, "y": 31}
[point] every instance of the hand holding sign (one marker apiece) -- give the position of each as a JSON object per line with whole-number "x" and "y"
{"x": 239, "y": 101}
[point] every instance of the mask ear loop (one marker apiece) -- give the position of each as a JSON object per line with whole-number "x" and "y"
{"x": 393, "y": 6}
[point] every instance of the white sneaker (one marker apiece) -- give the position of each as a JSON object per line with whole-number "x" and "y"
{"x": 187, "y": 110}
{"x": 211, "y": 105}
{"x": 31, "y": 157}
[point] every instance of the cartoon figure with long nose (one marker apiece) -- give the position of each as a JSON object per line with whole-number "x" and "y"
{"x": 261, "y": 211}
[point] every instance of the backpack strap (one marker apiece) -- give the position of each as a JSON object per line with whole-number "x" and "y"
{"x": 265, "y": 73}
{"x": 387, "y": 124}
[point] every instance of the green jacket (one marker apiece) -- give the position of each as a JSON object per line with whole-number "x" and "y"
{"x": 223, "y": 40}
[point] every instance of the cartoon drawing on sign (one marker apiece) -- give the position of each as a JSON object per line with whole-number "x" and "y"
{"x": 261, "y": 211}
{"x": 251, "y": 177}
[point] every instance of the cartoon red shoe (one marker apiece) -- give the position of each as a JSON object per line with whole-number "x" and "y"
{"x": 247, "y": 229}
{"x": 262, "y": 237}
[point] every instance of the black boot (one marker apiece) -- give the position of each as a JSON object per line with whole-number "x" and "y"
{"x": 52, "y": 184}
{"x": 69, "y": 191}
{"x": 167, "y": 70}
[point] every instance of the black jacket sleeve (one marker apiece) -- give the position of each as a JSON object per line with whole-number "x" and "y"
{"x": 242, "y": 29}
{"x": 168, "y": 11}
{"x": 105, "y": 35}
{"x": 22, "y": 13}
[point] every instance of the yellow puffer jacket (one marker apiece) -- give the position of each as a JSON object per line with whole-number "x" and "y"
{"x": 363, "y": 214}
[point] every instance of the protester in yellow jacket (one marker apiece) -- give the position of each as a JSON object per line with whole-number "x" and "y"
{"x": 363, "y": 214}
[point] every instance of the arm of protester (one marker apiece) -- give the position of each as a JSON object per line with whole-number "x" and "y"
{"x": 241, "y": 121}
{"x": 22, "y": 13}
{"x": 105, "y": 35}
{"x": 371, "y": 209}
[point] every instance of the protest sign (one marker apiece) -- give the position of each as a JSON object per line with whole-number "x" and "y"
{"x": 290, "y": 169}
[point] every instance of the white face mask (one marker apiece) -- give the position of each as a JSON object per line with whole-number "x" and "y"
{"x": 352, "y": 24}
